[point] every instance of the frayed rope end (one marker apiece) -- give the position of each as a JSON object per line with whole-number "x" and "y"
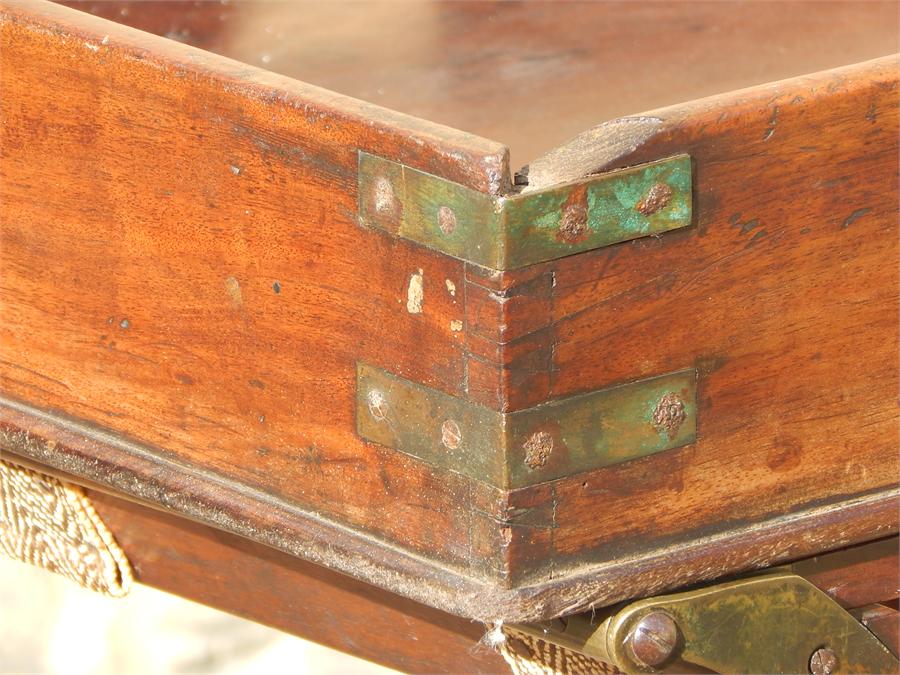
{"x": 494, "y": 637}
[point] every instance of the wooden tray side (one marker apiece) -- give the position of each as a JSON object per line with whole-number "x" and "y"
{"x": 299, "y": 597}
{"x": 784, "y": 296}
{"x": 531, "y": 73}
{"x": 184, "y": 275}
{"x": 182, "y": 264}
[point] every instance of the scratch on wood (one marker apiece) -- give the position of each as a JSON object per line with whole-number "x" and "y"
{"x": 853, "y": 217}
{"x": 773, "y": 121}
{"x": 415, "y": 293}
{"x": 871, "y": 112}
{"x": 591, "y": 151}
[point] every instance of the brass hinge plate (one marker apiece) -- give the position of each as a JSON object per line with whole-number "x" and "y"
{"x": 772, "y": 623}
{"x": 523, "y": 229}
{"x": 513, "y": 450}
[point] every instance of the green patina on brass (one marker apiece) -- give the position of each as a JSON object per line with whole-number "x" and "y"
{"x": 523, "y": 229}
{"x": 601, "y": 428}
{"x": 612, "y": 204}
{"x": 549, "y": 441}
{"x": 408, "y": 203}
{"x": 410, "y": 417}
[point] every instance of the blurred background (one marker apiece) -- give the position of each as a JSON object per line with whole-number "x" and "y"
{"x": 52, "y": 626}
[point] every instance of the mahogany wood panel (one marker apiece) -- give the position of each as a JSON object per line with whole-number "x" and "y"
{"x": 103, "y": 462}
{"x": 784, "y": 295}
{"x": 280, "y": 590}
{"x": 531, "y": 74}
{"x": 884, "y": 622}
{"x": 233, "y": 574}
{"x": 182, "y": 267}
{"x": 858, "y": 575}
{"x": 259, "y": 583}
{"x": 182, "y": 263}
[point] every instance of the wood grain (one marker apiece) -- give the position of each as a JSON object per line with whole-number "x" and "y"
{"x": 182, "y": 264}
{"x": 298, "y": 597}
{"x": 185, "y": 278}
{"x": 884, "y": 622}
{"x": 531, "y": 74}
{"x": 856, "y": 576}
{"x": 259, "y": 583}
{"x": 101, "y": 460}
{"x": 784, "y": 296}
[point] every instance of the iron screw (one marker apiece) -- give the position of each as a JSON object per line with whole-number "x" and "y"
{"x": 652, "y": 641}
{"x": 573, "y": 222}
{"x": 822, "y": 662}
{"x": 450, "y": 434}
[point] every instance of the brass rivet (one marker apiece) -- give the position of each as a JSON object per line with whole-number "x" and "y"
{"x": 656, "y": 199}
{"x": 377, "y": 404}
{"x": 450, "y": 434}
{"x": 446, "y": 219}
{"x": 537, "y": 449}
{"x": 653, "y": 640}
{"x": 573, "y": 222}
{"x": 822, "y": 662}
{"x": 669, "y": 414}
{"x": 383, "y": 195}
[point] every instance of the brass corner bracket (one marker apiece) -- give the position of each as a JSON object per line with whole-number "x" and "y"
{"x": 526, "y": 228}
{"x": 513, "y": 450}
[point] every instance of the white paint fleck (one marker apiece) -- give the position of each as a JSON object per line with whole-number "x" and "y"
{"x": 415, "y": 294}
{"x": 92, "y": 47}
{"x": 451, "y": 288}
{"x": 383, "y": 193}
{"x": 377, "y": 404}
{"x": 105, "y": 40}
{"x": 233, "y": 288}
{"x": 236, "y": 170}
{"x": 456, "y": 325}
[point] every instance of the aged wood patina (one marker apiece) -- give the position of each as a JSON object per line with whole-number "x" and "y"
{"x": 653, "y": 357}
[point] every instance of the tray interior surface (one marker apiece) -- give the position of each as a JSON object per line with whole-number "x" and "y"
{"x": 532, "y": 74}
